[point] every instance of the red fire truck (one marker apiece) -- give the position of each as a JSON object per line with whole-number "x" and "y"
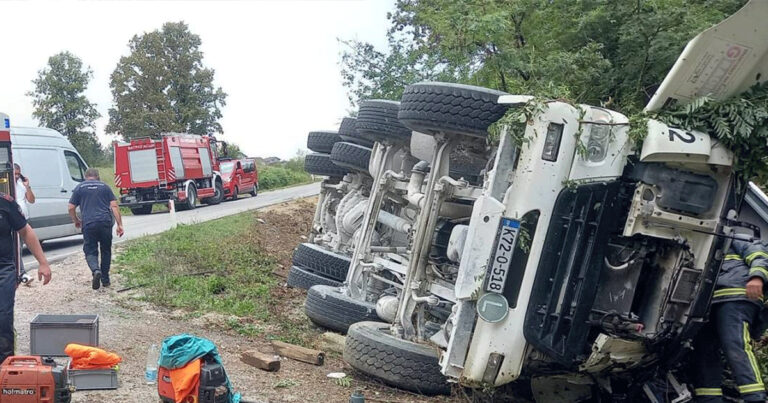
{"x": 179, "y": 167}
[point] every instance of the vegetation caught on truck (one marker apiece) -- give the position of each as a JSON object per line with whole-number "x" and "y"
{"x": 179, "y": 167}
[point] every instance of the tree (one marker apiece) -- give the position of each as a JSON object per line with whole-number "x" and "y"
{"x": 232, "y": 150}
{"x": 163, "y": 86}
{"x": 60, "y": 103}
{"x": 592, "y": 51}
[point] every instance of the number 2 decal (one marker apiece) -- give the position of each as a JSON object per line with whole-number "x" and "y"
{"x": 685, "y": 137}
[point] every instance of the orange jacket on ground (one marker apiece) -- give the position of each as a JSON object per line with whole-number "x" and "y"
{"x": 87, "y": 357}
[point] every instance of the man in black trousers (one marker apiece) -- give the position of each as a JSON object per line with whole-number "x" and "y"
{"x": 99, "y": 210}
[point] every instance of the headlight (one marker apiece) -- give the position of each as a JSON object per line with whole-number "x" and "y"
{"x": 552, "y": 142}
{"x": 599, "y": 136}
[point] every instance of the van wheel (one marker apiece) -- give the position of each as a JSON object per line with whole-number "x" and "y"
{"x": 191, "y": 201}
{"x": 255, "y": 190}
{"x": 377, "y": 121}
{"x": 321, "y": 261}
{"x": 235, "y": 193}
{"x": 371, "y": 349}
{"x": 348, "y": 132}
{"x": 218, "y": 195}
{"x": 351, "y": 156}
{"x": 142, "y": 210}
{"x": 433, "y": 107}
{"x": 332, "y": 309}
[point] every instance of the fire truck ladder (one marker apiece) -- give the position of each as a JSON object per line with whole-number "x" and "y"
{"x": 162, "y": 174}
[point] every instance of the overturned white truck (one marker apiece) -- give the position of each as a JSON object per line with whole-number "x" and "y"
{"x": 582, "y": 262}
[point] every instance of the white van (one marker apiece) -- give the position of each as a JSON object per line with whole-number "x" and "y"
{"x": 54, "y": 168}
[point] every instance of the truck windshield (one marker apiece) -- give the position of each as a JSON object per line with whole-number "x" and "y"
{"x": 227, "y": 167}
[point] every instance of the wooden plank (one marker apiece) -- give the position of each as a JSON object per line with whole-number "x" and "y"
{"x": 267, "y": 362}
{"x": 298, "y": 353}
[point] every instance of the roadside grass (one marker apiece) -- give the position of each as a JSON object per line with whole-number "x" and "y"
{"x": 214, "y": 267}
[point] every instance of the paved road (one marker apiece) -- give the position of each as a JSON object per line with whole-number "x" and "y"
{"x": 138, "y": 226}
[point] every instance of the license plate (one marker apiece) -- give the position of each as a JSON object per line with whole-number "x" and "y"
{"x": 498, "y": 267}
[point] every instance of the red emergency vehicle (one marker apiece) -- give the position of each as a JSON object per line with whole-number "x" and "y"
{"x": 240, "y": 176}
{"x": 179, "y": 167}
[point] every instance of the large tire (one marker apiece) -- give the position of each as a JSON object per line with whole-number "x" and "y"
{"x": 433, "y": 107}
{"x": 320, "y": 261}
{"x": 351, "y": 156}
{"x": 302, "y": 278}
{"x": 142, "y": 210}
{"x": 191, "y": 202}
{"x": 330, "y": 308}
{"x": 218, "y": 195}
{"x": 322, "y": 142}
{"x": 377, "y": 120}
{"x": 321, "y": 164}
{"x": 371, "y": 349}
{"x": 348, "y": 132}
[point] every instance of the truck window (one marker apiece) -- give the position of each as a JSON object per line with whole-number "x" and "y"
{"x": 76, "y": 166}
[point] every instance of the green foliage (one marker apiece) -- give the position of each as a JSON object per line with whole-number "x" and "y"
{"x": 284, "y": 383}
{"x": 163, "y": 86}
{"x": 284, "y": 174}
{"x": 592, "y": 51}
{"x": 739, "y": 123}
{"x": 60, "y": 104}
{"x": 344, "y": 382}
{"x": 232, "y": 150}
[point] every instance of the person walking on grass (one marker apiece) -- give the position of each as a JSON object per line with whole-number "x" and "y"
{"x": 12, "y": 220}
{"x": 99, "y": 210}
{"x": 24, "y": 198}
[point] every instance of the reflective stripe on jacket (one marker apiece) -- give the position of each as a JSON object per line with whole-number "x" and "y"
{"x": 744, "y": 260}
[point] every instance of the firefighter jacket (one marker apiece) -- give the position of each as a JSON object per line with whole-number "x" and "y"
{"x": 745, "y": 260}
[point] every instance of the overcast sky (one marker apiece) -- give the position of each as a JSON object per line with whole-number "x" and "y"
{"x": 277, "y": 60}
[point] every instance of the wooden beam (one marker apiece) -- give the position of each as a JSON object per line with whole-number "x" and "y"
{"x": 298, "y": 353}
{"x": 267, "y": 362}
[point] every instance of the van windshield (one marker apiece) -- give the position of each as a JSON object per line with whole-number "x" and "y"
{"x": 227, "y": 167}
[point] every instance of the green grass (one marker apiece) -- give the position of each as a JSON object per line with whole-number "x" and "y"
{"x": 216, "y": 266}
{"x": 210, "y": 267}
{"x": 280, "y": 176}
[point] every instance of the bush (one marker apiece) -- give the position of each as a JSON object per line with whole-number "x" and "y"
{"x": 283, "y": 174}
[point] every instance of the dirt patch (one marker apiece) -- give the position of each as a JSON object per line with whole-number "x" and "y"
{"x": 128, "y": 325}
{"x": 283, "y": 226}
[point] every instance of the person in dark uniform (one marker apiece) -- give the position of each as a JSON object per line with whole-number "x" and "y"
{"x": 733, "y": 321}
{"x": 12, "y": 220}
{"x": 99, "y": 209}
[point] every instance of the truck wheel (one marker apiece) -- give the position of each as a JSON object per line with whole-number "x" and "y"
{"x": 348, "y": 132}
{"x": 255, "y": 190}
{"x": 142, "y": 210}
{"x": 322, "y": 142}
{"x": 377, "y": 121}
{"x": 351, "y": 156}
{"x": 300, "y": 277}
{"x": 218, "y": 195}
{"x": 433, "y": 107}
{"x": 191, "y": 201}
{"x": 330, "y": 308}
{"x": 320, "y": 261}
{"x": 321, "y": 164}
{"x": 371, "y": 349}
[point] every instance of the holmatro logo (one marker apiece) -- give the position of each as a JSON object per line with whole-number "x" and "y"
{"x": 18, "y": 392}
